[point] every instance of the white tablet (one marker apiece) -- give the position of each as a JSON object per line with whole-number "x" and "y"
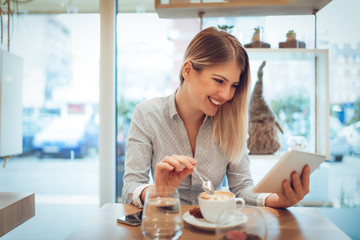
{"x": 291, "y": 161}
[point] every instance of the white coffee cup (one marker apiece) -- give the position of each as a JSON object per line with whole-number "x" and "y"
{"x": 212, "y": 205}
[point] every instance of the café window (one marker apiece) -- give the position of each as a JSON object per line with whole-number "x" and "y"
{"x": 60, "y": 125}
{"x": 289, "y": 83}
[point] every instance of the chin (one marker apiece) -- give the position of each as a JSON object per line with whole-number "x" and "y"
{"x": 210, "y": 113}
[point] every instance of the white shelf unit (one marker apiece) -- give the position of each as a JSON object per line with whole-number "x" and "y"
{"x": 319, "y": 92}
{"x": 231, "y": 8}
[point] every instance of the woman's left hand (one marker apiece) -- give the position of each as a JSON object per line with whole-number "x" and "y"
{"x": 293, "y": 193}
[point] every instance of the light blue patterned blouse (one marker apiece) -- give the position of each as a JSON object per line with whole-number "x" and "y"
{"x": 157, "y": 131}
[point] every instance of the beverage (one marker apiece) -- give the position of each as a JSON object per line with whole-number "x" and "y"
{"x": 218, "y": 195}
{"x": 162, "y": 218}
{"x": 212, "y": 204}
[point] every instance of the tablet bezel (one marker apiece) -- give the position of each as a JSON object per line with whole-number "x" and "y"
{"x": 291, "y": 161}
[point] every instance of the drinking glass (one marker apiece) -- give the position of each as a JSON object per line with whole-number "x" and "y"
{"x": 162, "y": 218}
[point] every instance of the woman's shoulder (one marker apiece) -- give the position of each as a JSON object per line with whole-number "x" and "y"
{"x": 153, "y": 105}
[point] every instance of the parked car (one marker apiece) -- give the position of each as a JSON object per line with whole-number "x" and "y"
{"x": 338, "y": 142}
{"x": 66, "y": 137}
{"x": 352, "y": 133}
{"x": 30, "y": 129}
{"x": 34, "y": 121}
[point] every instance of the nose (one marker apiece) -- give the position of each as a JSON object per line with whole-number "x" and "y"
{"x": 227, "y": 93}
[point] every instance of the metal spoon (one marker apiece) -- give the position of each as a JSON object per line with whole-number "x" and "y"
{"x": 207, "y": 185}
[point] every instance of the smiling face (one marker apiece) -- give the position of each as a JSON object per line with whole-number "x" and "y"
{"x": 210, "y": 88}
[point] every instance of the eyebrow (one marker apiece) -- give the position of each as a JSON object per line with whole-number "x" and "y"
{"x": 224, "y": 78}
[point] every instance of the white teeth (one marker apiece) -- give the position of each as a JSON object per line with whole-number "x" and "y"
{"x": 214, "y": 102}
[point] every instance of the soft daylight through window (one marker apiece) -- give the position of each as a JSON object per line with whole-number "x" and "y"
{"x": 288, "y": 86}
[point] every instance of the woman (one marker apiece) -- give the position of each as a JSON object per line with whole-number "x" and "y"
{"x": 203, "y": 124}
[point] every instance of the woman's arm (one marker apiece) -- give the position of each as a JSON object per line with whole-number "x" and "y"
{"x": 240, "y": 181}
{"x": 137, "y": 158}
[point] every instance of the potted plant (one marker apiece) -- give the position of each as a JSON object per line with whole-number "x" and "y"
{"x": 226, "y": 28}
{"x": 290, "y": 35}
{"x": 291, "y": 41}
{"x": 256, "y": 35}
{"x": 256, "y": 39}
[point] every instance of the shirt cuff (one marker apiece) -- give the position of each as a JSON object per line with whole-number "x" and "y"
{"x": 136, "y": 199}
{"x": 260, "y": 200}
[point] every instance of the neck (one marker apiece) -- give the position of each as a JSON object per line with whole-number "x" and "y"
{"x": 187, "y": 112}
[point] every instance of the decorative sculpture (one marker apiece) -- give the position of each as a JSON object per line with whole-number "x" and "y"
{"x": 263, "y": 127}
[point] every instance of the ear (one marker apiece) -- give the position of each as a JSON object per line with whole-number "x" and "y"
{"x": 186, "y": 70}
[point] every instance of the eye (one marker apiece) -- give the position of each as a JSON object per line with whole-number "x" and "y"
{"x": 218, "y": 80}
{"x": 235, "y": 86}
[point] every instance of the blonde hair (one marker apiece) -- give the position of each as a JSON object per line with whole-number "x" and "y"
{"x": 209, "y": 48}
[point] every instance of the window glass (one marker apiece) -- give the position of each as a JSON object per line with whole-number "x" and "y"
{"x": 288, "y": 84}
{"x": 150, "y": 51}
{"x": 60, "y": 121}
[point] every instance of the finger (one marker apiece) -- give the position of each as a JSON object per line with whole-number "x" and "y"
{"x": 289, "y": 192}
{"x": 162, "y": 170}
{"x": 184, "y": 173}
{"x": 305, "y": 179}
{"x": 295, "y": 181}
{"x": 173, "y": 162}
{"x": 297, "y": 187}
{"x": 188, "y": 162}
{"x": 164, "y": 166}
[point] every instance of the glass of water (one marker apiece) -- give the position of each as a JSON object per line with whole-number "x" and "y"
{"x": 162, "y": 218}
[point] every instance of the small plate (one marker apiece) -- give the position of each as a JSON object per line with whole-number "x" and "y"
{"x": 202, "y": 224}
{"x": 199, "y": 222}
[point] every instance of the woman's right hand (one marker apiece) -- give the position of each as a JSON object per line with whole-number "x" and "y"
{"x": 173, "y": 169}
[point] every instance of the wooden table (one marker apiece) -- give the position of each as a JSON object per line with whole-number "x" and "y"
{"x": 292, "y": 223}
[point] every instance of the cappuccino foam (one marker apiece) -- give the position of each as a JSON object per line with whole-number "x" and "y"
{"x": 218, "y": 195}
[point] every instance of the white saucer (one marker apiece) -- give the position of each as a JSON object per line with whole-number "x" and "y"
{"x": 199, "y": 222}
{"x": 202, "y": 224}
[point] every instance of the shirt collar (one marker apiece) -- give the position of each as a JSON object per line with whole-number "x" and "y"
{"x": 172, "y": 106}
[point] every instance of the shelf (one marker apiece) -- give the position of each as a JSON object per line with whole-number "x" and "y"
{"x": 15, "y": 209}
{"x": 232, "y": 8}
{"x": 286, "y": 54}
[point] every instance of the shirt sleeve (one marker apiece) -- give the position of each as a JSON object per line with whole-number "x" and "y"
{"x": 260, "y": 201}
{"x": 241, "y": 183}
{"x": 137, "y": 158}
{"x": 136, "y": 198}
